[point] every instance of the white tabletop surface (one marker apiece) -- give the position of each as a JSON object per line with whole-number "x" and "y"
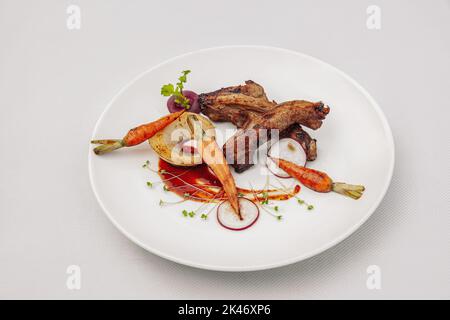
{"x": 55, "y": 82}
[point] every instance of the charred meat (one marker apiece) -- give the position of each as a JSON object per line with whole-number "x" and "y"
{"x": 258, "y": 119}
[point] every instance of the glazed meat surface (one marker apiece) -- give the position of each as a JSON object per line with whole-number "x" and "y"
{"x": 259, "y": 119}
{"x": 237, "y": 104}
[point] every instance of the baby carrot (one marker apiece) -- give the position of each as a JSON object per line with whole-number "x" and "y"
{"x": 136, "y": 135}
{"x": 319, "y": 181}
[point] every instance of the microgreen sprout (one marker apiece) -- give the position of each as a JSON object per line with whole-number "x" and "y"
{"x": 204, "y": 216}
{"x": 146, "y": 164}
{"x": 300, "y": 201}
{"x": 264, "y": 202}
{"x": 165, "y": 203}
{"x": 177, "y": 90}
{"x": 309, "y": 207}
{"x": 188, "y": 213}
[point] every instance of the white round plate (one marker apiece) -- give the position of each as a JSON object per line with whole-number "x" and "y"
{"x": 355, "y": 145}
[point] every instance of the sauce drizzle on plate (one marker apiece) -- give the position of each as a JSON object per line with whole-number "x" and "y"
{"x": 199, "y": 183}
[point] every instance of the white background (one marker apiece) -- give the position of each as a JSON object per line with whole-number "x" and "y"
{"x": 54, "y": 84}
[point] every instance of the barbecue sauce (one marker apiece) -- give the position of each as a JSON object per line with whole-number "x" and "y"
{"x": 199, "y": 183}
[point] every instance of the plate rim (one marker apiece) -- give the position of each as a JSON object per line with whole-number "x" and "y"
{"x": 281, "y": 263}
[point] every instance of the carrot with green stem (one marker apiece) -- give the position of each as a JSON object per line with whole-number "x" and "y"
{"x": 136, "y": 135}
{"x": 319, "y": 181}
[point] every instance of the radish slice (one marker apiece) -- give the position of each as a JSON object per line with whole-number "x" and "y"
{"x": 230, "y": 220}
{"x": 287, "y": 149}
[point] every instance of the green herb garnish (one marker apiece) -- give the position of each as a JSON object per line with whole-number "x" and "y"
{"x": 265, "y": 196}
{"x": 308, "y": 206}
{"x": 204, "y": 216}
{"x": 185, "y": 213}
{"x": 149, "y": 184}
{"x": 168, "y": 90}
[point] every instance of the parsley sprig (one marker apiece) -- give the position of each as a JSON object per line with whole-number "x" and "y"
{"x": 177, "y": 90}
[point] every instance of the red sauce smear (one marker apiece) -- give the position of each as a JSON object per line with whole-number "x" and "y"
{"x": 199, "y": 183}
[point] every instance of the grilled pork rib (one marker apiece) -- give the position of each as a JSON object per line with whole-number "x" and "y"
{"x": 246, "y": 141}
{"x": 297, "y": 133}
{"x": 247, "y": 107}
{"x": 238, "y": 104}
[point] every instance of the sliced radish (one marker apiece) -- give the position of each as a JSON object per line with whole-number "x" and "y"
{"x": 287, "y": 149}
{"x": 230, "y": 220}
